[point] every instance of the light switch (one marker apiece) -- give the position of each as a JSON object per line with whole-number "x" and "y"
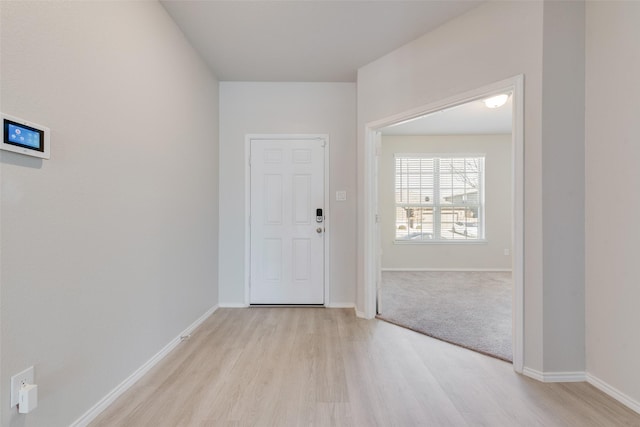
{"x": 341, "y": 195}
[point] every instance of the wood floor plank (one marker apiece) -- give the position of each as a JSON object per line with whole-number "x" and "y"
{"x": 325, "y": 367}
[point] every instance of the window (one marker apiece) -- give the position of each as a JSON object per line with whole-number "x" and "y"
{"x": 439, "y": 198}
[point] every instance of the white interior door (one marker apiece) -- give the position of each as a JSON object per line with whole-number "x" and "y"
{"x": 287, "y": 237}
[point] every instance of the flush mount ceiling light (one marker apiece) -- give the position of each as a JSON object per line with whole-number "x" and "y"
{"x": 496, "y": 101}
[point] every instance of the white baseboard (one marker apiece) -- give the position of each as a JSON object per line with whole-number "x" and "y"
{"x": 341, "y": 305}
{"x": 505, "y": 270}
{"x": 613, "y": 392}
{"x": 92, "y": 413}
{"x": 330, "y": 305}
{"x": 567, "y": 377}
{"x": 555, "y": 377}
{"x": 359, "y": 313}
{"x": 232, "y": 305}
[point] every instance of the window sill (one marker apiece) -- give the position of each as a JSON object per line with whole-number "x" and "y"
{"x": 441, "y": 242}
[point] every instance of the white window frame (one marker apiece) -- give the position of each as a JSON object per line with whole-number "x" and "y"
{"x": 437, "y": 206}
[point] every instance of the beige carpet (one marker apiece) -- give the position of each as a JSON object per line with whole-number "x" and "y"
{"x": 470, "y": 309}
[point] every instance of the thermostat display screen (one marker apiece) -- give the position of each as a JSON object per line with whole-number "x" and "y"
{"x": 25, "y": 137}
{"x": 22, "y": 136}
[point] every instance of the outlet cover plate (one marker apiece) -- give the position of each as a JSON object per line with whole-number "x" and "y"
{"x": 24, "y": 377}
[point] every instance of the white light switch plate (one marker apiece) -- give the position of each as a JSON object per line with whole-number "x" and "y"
{"x": 341, "y": 196}
{"x": 24, "y": 377}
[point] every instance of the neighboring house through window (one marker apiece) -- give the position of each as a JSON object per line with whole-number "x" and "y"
{"x": 439, "y": 198}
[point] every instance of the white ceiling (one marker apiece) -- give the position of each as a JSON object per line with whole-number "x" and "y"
{"x": 304, "y": 40}
{"x": 472, "y": 118}
{"x": 325, "y": 41}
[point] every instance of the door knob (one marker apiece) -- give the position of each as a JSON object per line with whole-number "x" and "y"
{"x": 319, "y": 230}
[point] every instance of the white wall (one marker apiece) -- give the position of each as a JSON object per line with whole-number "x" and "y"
{"x": 480, "y": 256}
{"x": 613, "y": 200}
{"x": 492, "y": 42}
{"x": 563, "y": 194}
{"x": 109, "y": 249}
{"x": 287, "y": 108}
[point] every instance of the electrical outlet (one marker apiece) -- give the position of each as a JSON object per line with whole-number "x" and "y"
{"x": 17, "y": 381}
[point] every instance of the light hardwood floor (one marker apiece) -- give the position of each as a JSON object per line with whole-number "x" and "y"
{"x": 325, "y": 367}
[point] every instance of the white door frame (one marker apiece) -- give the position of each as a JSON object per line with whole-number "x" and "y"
{"x": 247, "y": 207}
{"x": 371, "y": 228}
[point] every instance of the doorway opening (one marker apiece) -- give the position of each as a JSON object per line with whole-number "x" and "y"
{"x": 446, "y": 210}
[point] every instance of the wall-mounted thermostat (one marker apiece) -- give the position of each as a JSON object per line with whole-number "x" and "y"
{"x": 24, "y": 137}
